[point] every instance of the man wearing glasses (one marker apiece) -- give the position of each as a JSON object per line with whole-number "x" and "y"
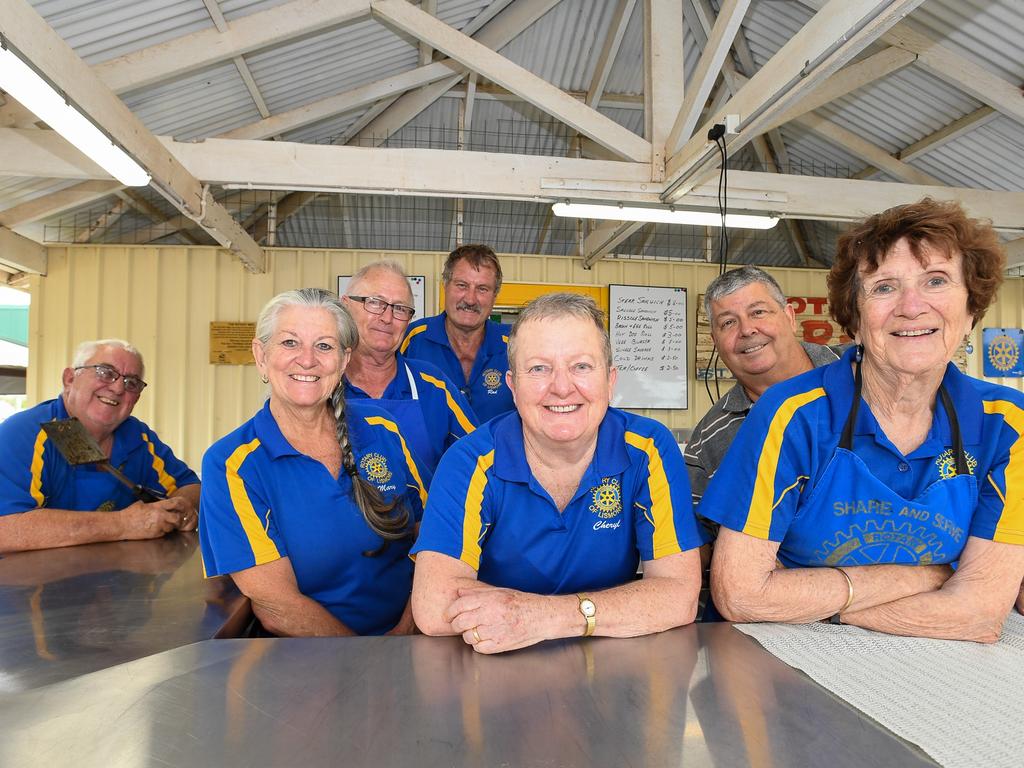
{"x": 45, "y": 502}
{"x": 430, "y": 410}
{"x": 463, "y": 341}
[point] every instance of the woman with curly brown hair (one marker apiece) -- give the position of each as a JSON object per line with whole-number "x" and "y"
{"x": 854, "y": 490}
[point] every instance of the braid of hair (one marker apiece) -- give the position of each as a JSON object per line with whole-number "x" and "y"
{"x": 388, "y": 519}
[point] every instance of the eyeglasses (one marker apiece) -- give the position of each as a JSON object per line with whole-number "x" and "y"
{"x": 109, "y": 374}
{"x": 376, "y": 306}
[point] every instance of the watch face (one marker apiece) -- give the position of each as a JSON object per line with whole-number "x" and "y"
{"x": 588, "y": 608}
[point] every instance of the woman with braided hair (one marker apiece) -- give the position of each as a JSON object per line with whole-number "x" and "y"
{"x": 312, "y": 504}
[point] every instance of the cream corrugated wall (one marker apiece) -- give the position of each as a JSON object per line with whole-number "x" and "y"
{"x": 163, "y": 300}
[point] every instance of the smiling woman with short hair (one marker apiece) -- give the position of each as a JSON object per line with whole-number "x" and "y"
{"x": 538, "y": 520}
{"x": 851, "y": 489}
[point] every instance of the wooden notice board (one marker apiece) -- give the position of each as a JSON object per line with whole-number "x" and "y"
{"x": 648, "y": 329}
{"x": 231, "y": 343}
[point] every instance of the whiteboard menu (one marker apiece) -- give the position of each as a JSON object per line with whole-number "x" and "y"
{"x": 648, "y": 330}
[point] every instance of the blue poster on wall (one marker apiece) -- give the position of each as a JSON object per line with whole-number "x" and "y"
{"x": 1003, "y": 351}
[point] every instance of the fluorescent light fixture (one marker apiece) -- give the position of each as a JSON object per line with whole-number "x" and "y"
{"x": 38, "y": 96}
{"x": 662, "y": 215}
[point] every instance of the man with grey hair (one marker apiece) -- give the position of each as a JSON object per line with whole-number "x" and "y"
{"x": 754, "y": 332}
{"x": 428, "y": 408}
{"x": 46, "y": 502}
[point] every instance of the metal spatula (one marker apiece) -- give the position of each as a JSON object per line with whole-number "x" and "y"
{"x": 77, "y": 446}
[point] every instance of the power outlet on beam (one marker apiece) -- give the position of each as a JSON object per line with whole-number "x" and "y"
{"x": 732, "y": 124}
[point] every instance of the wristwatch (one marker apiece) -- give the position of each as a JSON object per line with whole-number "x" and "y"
{"x": 589, "y": 611}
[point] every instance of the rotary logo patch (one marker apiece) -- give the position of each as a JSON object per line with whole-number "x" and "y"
{"x": 946, "y": 462}
{"x": 492, "y": 379}
{"x": 606, "y": 499}
{"x": 376, "y": 467}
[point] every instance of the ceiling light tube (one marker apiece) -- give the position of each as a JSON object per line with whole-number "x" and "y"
{"x": 662, "y": 215}
{"x": 39, "y": 97}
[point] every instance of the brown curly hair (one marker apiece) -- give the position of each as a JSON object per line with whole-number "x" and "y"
{"x": 941, "y": 224}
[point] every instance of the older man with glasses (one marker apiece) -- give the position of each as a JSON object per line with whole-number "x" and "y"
{"x": 46, "y": 502}
{"x": 430, "y": 410}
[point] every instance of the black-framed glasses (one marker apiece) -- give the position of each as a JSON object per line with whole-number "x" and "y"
{"x": 376, "y": 306}
{"x": 109, "y": 374}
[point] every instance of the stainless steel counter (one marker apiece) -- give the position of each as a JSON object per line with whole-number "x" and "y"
{"x": 696, "y": 696}
{"x": 66, "y": 612}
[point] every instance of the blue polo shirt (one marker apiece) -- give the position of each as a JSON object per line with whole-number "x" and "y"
{"x": 772, "y": 469}
{"x": 263, "y": 500}
{"x": 486, "y": 390}
{"x": 633, "y": 503}
{"x": 431, "y": 418}
{"x": 33, "y": 473}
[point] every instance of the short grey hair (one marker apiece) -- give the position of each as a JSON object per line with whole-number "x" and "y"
{"x": 557, "y": 305}
{"x": 383, "y": 265}
{"x": 314, "y": 298}
{"x": 734, "y": 280}
{"x": 85, "y": 351}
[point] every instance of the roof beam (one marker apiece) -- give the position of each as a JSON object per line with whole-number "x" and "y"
{"x": 402, "y": 16}
{"x": 221, "y": 24}
{"x": 56, "y": 202}
{"x": 610, "y": 49}
{"x": 451, "y": 173}
{"x": 830, "y": 39}
{"x": 343, "y": 102}
{"x": 604, "y": 237}
{"x": 34, "y": 38}
{"x": 849, "y": 79}
{"x": 31, "y": 152}
{"x": 865, "y": 150}
{"x": 20, "y": 253}
{"x": 958, "y": 71}
{"x": 730, "y": 16}
{"x": 663, "y": 76}
{"x": 188, "y": 53}
{"x": 389, "y": 116}
{"x": 954, "y": 130}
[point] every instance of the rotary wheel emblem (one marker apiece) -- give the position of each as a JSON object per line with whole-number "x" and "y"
{"x": 376, "y": 467}
{"x": 1003, "y": 353}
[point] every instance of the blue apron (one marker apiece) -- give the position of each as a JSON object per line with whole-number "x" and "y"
{"x": 853, "y": 518}
{"x": 408, "y": 415}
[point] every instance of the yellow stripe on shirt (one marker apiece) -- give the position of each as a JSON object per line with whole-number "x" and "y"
{"x": 413, "y": 332}
{"x": 763, "y": 502}
{"x": 471, "y": 522}
{"x": 160, "y": 468}
{"x": 263, "y": 548}
{"x": 1010, "y": 529}
{"x": 662, "y": 514}
{"x": 460, "y": 416}
{"x": 35, "y": 486}
{"x": 409, "y": 462}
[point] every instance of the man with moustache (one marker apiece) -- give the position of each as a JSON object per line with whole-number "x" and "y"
{"x": 46, "y": 502}
{"x": 462, "y": 341}
{"x": 754, "y": 331}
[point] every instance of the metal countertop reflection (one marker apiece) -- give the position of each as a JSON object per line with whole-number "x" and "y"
{"x": 74, "y": 610}
{"x": 696, "y": 696}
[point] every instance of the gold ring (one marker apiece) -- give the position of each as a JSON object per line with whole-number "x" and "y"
{"x": 476, "y": 635}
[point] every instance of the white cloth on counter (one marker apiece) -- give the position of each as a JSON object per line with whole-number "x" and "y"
{"x": 960, "y": 702}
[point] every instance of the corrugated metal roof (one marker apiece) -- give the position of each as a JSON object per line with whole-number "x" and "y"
{"x": 563, "y": 48}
